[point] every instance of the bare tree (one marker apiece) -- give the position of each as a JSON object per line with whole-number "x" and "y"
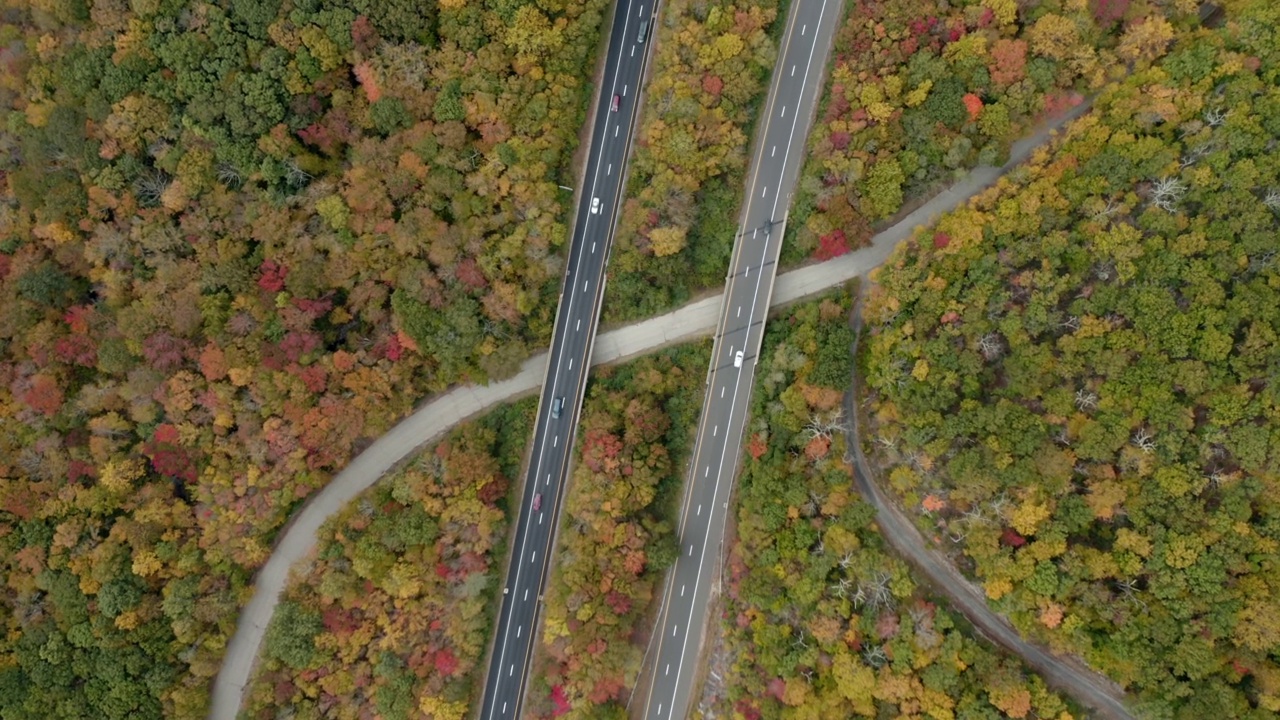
{"x": 1272, "y": 200}
{"x": 667, "y": 101}
{"x": 799, "y": 642}
{"x": 1216, "y": 117}
{"x": 874, "y": 656}
{"x": 824, "y": 426}
{"x": 1129, "y": 590}
{"x": 150, "y": 187}
{"x": 1110, "y": 208}
{"x": 1262, "y": 262}
{"x": 813, "y": 504}
{"x": 229, "y": 175}
{"x": 878, "y": 591}
{"x": 886, "y": 442}
{"x": 998, "y": 506}
{"x": 294, "y": 175}
{"x": 1191, "y": 157}
{"x": 1144, "y": 441}
{"x": 841, "y": 588}
{"x": 494, "y": 329}
{"x": 1086, "y": 400}
{"x": 1166, "y": 192}
{"x": 432, "y": 464}
{"x": 990, "y": 346}
{"x": 975, "y": 516}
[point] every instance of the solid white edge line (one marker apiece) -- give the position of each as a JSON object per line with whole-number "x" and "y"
{"x": 595, "y": 180}
{"x": 716, "y": 489}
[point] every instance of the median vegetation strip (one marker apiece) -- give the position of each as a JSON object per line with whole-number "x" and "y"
{"x": 1075, "y": 389}
{"x": 676, "y": 228}
{"x": 617, "y": 535}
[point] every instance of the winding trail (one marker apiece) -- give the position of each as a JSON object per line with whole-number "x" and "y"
{"x": 1068, "y": 674}
{"x": 432, "y": 419}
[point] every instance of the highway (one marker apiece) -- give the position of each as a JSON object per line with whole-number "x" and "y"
{"x": 569, "y": 358}
{"x": 779, "y": 153}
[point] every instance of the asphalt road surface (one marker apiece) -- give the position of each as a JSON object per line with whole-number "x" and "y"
{"x": 433, "y": 419}
{"x": 749, "y": 285}
{"x": 568, "y": 360}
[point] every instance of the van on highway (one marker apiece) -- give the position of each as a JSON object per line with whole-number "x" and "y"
{"x": 556, "y": 406}
{"x": 644, "y": 31}
{"x": 737, "y": 359}
{"x": 595, "y": 206}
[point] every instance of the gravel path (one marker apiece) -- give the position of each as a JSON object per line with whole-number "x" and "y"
{"x": 1068, "y": 674}
{"x": 431, "y": 420}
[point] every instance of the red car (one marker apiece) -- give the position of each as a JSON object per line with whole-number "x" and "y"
{"x": 616, "y": 99}
{"x": 537, "y": 501}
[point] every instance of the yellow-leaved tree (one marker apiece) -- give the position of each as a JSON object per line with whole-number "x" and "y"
{"x": 1146, "y": 41}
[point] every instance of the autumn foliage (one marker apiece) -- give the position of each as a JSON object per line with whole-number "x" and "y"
{"x": 919, "y": 90}
{"x": 819, "y": 620}
{"x": 395, "y": 612}
{"x": 1100, "y": 409}
{"x": 237, "y": 240}
{"x": 676, "y": 226}
{"x": 616, "y": 535}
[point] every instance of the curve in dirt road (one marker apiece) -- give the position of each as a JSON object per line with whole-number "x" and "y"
{"x": 431, "y": 420}
{"x": 1067, "y": 674}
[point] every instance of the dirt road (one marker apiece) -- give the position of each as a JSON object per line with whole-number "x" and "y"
{"x": 1066, "y": 674}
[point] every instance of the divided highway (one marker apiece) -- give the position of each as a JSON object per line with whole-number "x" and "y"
{"x": 568, "y": 360}
{"x": 797, "y": 80}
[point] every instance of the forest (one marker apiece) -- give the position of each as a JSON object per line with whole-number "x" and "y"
{"x": 920, "y": 91}
{"x": 236, "y": 240}
{"x": 395, "y": 612}
{"x": 1075, "y": 380}
{"x": 617, "y": 533}
{"x": 676, "y": 228}
{"x": 819, "y": 620}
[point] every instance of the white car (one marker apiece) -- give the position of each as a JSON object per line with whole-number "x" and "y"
{"x": 737, "y": 359}
{"x": 595, "y": 206}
